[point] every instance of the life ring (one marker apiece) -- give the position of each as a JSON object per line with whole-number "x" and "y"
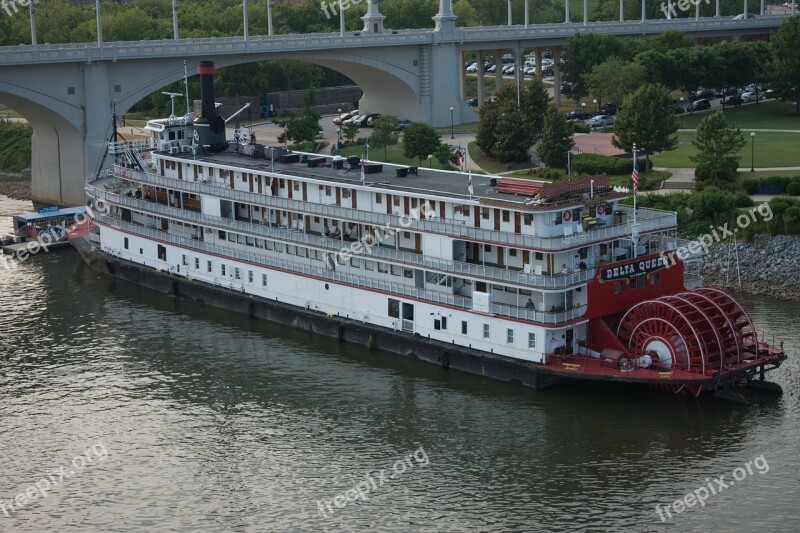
{"x": 601, "y": 210}
{"x": 567, "y": 216}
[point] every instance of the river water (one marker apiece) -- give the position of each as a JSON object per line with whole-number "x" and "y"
{"x": 166, "y": 416}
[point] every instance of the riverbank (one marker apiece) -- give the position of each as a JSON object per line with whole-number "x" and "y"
{"x": 768, "y": 266}
{"x": 16, "y": 185}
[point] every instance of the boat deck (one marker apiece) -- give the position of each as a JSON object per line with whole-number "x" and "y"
{"x": 33, "y": 247}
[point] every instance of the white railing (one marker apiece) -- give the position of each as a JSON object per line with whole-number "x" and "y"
{"x": 442, "y": 266}
{"x": 649, "y": 220}
{"x": 92, "y": 51}
{"x": 258, "y": 258}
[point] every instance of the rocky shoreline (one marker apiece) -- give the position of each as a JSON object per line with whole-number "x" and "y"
{"x": 769, "y": 266}
{"x": 16, "y": 185}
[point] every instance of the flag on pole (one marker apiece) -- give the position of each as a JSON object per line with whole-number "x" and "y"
{"x": 364, "y": 157}
{"x": 459, "y": 158}
{"x": 635, "y": 174}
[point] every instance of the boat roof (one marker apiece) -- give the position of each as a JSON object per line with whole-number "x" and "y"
{"x": 516, "y": 192}
{"x": 26, "y": 218}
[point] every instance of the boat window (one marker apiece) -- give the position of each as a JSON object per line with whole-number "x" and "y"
{"x": 531, "y": 340}
{"x": 463, "y": 327}
{"x": 486, "y": 331}
{"x": 394, "y": 308}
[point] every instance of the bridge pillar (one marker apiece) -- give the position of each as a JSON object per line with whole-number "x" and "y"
{"x": 462, "y": 77}
{"x": 445, "y": 19}
{"x": 539, "y": 52}
{"x": 373, "y": 20}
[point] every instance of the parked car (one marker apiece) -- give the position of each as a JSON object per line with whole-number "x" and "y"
{"x": 341, "y": 119}
{"x": 491, "y": 69}
{"x": 320, "y": 135}
{"x": 609, "y": 109}
{"x": 406, "y": 123}
{"x": 744, "y": 16}
{"x": 549, "y": 70}
{"x": 566, "y": 89}
{"x": 371, "y": 118}
{"x": 472, "y": 102}
{"x": 678, "y": 109}
{"x": 730, "y": 91}
{"x": 578, "y": 115}
{"x": 600, "y": 121}
{"x": 699, "y": 105}
{"x": 507, "y": 58}
{"x": 731, "y": 100}
{"x": 751, "y": 97}
{"x": 358, "y": 119}
{"x": 703, "y": 94}
{"x": 473, "y": 68}
{"x": 508, "y": 70}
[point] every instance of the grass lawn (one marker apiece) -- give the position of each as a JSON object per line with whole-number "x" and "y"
{"x": 490, "y": 164}
{"x": 472, "y": 127}
{"x": 647, "y": 181}
{"x": 394, "y": 154}
{"x": 764, "y": 115}
{"x": 772, "y": 149}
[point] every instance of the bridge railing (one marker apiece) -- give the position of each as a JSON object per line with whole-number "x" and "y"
{"x": 299, "y": 42}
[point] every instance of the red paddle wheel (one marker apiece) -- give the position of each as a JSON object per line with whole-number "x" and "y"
{"x": 703, "y": 331}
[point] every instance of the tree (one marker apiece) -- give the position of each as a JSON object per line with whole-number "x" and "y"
{"x": 582, "y": 53}
{"x": 785, "y": 62}
{"x": 647, "y": 119}
{"x": 350, "y": 130}
{"x": 718, "y": 145}
{"x": 506, "y": 130}
{"x": 659, "y": 67}
{"x": 385, "y": 132}
{"x": 556, "y": 138}
{"x": 614, "y": 79}
{"x": 303, "y": 126}
{"x": 420, "y": 141}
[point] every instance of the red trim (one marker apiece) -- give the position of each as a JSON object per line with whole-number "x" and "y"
{"x": 510, "y": 319}
{"x": 206, "y": 68}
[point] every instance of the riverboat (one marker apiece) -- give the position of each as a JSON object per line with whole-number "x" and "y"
{"x": 518, "y": 280}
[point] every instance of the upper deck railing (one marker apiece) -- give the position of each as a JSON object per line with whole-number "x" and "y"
{"x": 649, "y": 219}
{"x": 206, "y": 47}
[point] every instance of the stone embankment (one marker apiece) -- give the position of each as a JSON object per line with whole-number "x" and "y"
{"x": 768, "y": 266}
{"x": 17, "y": 186}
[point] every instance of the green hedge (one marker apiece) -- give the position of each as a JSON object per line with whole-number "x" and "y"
{"x": 15, "y": 146}
{"x": 602, "y": 164}
{"x": 787, "y": 184}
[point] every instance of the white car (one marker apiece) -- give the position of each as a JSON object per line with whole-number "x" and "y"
{"x": 529, "y": 71}
{"x": 508, "y": 69}
{"x": 473, "y": 68}
{"x": 751, "y": 97}
{"x": 599, "y": 121}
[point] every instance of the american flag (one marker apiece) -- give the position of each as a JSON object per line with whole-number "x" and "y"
{"x": 635, "y": 174}
{"x": 364, "y": 158}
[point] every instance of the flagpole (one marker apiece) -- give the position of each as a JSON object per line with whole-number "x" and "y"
{"x": 635, "y": 226}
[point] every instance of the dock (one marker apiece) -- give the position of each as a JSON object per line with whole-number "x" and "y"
{"x": 33, "y": 247}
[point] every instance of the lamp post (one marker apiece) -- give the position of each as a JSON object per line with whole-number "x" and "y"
{"x": 430, "y": 160}
{"x": 596, "y": 109}
{"x": 752, "y": 151}
{"x": 339, "y": 134}
{"x": 451, "y": 122}
{"x": 683, "y": 110}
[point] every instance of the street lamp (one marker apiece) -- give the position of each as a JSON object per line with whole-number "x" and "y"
{"x": 430, "y": 160}
{"x": 752, "y": 151}
{"x": 339, "y": 135}
{"x": 596, "y": 109}
{"x": 683, "y": 110}
{"x": 451, "y": 123}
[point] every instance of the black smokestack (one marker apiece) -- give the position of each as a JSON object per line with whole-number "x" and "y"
{"x": 206, "y": 71}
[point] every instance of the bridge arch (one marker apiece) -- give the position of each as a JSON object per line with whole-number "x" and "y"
{"x": 387, "y": 87}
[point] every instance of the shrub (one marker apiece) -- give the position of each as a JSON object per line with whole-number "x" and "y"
{"x": 751, "y": 186}
{"x": 549, "y": 174}
{"x": 580, "y": 128}
{"x": 600, "y": 164}
{"x": 791, "y": 219}
{"x": 793, "y": 188}
{"x": 742, "y": 199}
{"x": 782, "y": 181}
